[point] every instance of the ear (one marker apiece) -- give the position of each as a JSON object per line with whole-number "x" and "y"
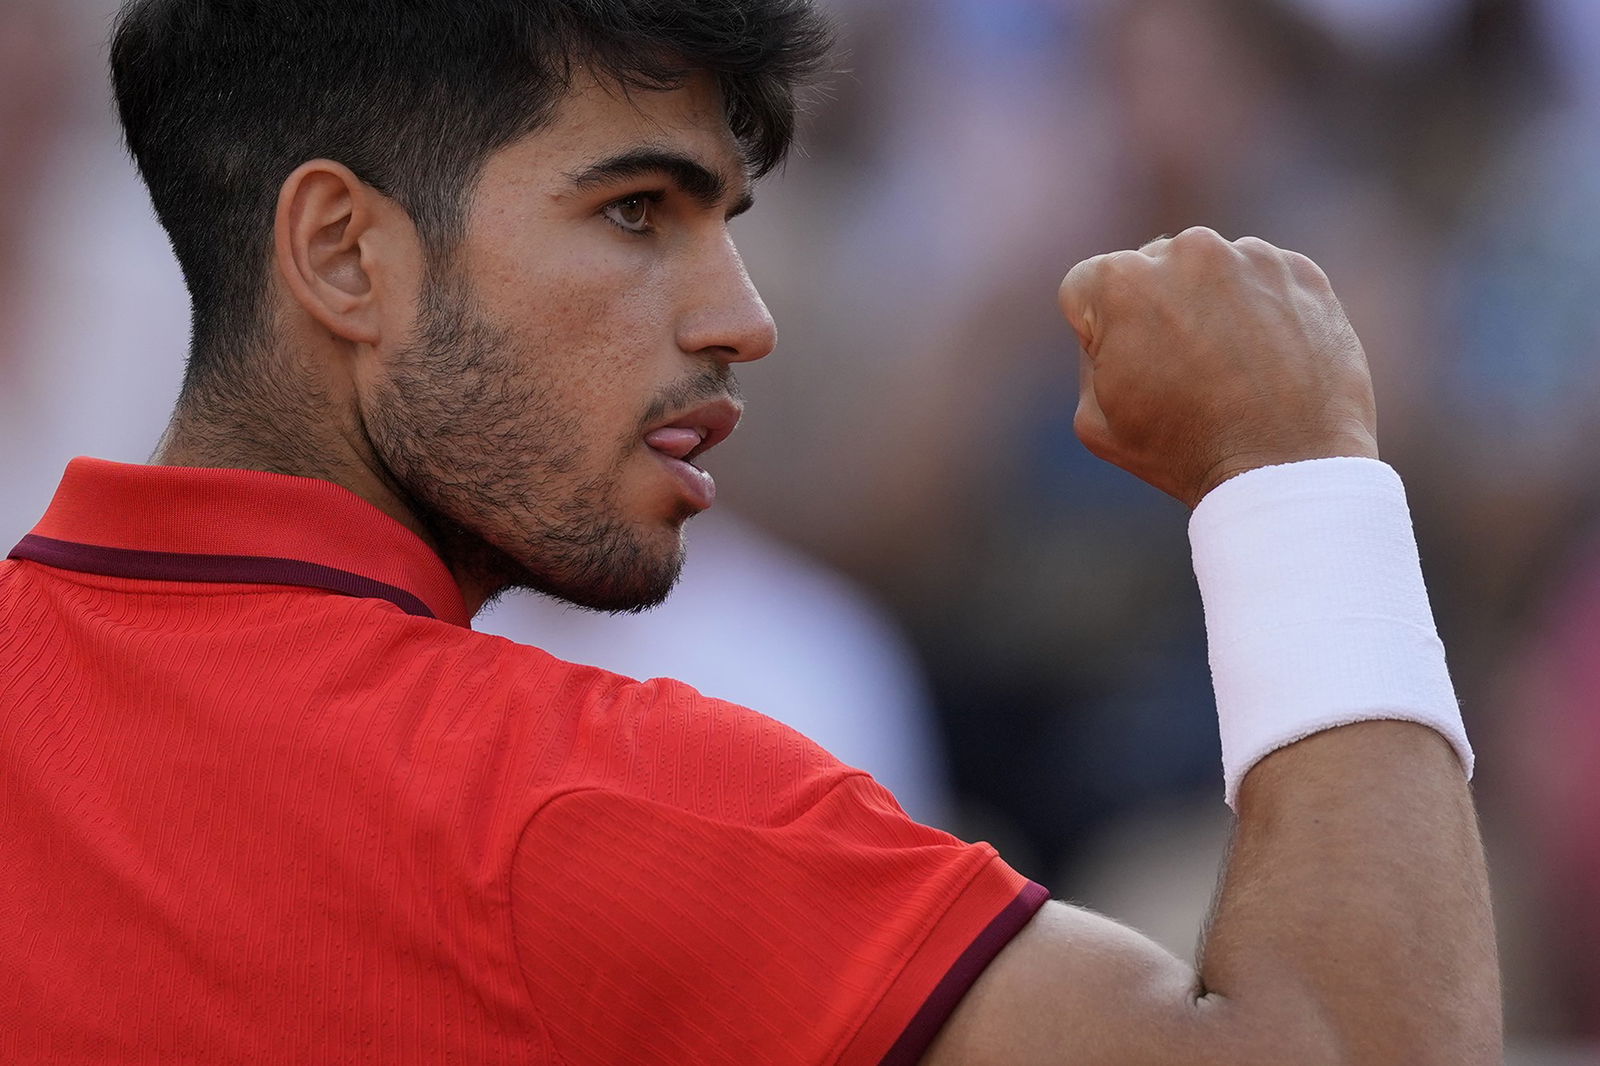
{"x": 333, "y": 251}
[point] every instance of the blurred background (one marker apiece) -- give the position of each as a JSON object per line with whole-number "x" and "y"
{"x": 914, "y": 560}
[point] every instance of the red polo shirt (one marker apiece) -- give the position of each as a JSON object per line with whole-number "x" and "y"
{"x": 266, "y": 798}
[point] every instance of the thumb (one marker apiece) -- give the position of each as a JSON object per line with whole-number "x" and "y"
{"x": 1077, "y": 295}
{"x": 1089, "y": 421}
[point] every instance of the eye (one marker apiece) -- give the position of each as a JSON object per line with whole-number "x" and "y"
{"x": 632, "y": 213}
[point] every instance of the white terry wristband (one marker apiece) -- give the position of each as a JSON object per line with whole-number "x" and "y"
{"x": 1316, "y": 613}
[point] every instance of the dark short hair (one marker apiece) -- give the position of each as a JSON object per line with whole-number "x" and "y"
{"x": 221, "y": 100}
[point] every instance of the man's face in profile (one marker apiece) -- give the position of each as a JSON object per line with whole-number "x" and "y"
{"x": 576, "y": 350}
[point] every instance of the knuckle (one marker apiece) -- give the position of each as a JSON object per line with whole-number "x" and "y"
{"x": 1120, "y": 271}
{"x": 1304, "y": 268}
{"x": 1082, "y": 278}
{"x": 1203, "y": 244}
{"x": 1199, "y": 237}
{"x": 1155, "y": 244}
{"x": 1258, "y": 247}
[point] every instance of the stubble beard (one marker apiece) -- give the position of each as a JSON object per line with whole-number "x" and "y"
{"x": 475, "y": 445}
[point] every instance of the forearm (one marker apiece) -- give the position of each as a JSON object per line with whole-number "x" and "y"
{"x": 1353, "y": 924}
{"x": 1356, "y": 884}
{"x": 1355, "y": 904}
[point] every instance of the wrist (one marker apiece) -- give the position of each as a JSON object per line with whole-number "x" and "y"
{"x": 1316, "y": 611}
{"x": 1355, "y": 443}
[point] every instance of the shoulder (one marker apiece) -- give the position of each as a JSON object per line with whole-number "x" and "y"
{"x": 581, "y": 727}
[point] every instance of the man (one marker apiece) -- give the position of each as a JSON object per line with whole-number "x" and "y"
{"x": 465, "y": 311}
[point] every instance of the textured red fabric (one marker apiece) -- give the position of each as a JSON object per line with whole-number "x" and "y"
{"x": 311, "y": 817}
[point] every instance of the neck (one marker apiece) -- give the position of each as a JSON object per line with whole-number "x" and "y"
{"x": 274, "y": 420}
{"x": 283, "y": 429}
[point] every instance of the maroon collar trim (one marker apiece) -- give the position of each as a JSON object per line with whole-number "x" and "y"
{"x": 238, "y": 527}
{"x": 219, "y": 569}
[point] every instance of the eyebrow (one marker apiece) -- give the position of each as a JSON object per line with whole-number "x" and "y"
{"x": 700, "y": 183}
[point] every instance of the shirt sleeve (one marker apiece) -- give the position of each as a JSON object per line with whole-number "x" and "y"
{"x": 833, "y": 931}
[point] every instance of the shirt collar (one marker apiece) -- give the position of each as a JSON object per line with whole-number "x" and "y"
{"x": 168, "y": 523}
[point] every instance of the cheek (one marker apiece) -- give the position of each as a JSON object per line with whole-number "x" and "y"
{"x": 601, "y": 335}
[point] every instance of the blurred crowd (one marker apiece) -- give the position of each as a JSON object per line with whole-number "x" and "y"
{"x": 926, "y": 571}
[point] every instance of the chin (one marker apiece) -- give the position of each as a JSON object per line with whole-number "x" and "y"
{"x": 635, "y": 594}
{"x": 616, "y": 574}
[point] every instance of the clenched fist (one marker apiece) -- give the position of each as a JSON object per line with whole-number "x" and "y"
{"x": 1204, "y": 358}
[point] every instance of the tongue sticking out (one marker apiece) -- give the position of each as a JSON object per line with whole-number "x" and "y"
{"x": 674, "y": 441}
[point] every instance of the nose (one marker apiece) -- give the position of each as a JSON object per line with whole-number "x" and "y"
{"x": 725, "y": 317}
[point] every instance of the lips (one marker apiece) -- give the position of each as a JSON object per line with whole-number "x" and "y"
{"x": 693, "y": 433}
{"x": 688, "y": 436}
